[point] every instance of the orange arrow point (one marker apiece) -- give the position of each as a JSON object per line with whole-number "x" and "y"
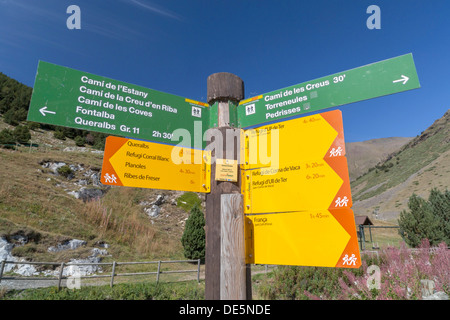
{"x": 337, "y": 148}
{"x": 343, "y": 198}
{"x": 350, "y": 257}
{"x": 308, "y": 238}
{"x": 109, "y": 175}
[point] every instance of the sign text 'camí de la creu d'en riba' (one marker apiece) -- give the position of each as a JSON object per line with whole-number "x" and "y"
{"x": 76, "y": 99}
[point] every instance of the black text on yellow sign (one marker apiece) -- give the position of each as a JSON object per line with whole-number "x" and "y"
{"x": 141, "y": 164}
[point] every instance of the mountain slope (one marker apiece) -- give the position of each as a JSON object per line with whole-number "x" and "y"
{"x": 420, "y": 165}
{"x": 366, "y": 154}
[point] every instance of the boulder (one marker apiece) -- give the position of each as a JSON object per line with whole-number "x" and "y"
{"x": 67, "y": 245}
{"x": 153, "y": 211}
{"x": 88, "y": 194}
{"x": 5, "y": 254}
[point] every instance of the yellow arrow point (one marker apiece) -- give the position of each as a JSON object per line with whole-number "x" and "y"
{"x": 301, "y": 138}
{"x": 303, "y": 186}
{"x": 312, "y": 238}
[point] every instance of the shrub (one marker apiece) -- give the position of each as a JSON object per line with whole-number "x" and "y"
{"x": 33, "y": 125}
{"x": 79, "y": 141}
{"x": 299, "y": 283}
{"x": 7, "y": 137}
{"x": 22, "y": 134}
{"x": 194, "y": 238}
{"x": 188, "y": 200}
{"x": 426, "y": 219}
{"x": 400, "y": 273}
{"x": 15, "y": 116}
{"x": 65, "y": 171}
{"x": 59, "y": 135}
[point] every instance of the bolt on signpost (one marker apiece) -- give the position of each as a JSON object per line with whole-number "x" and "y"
{"x": 277, "y": 186}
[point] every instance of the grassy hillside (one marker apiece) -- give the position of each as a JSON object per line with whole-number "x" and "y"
{"x": 361, "y": 156}
{"x": 417, "y": 167}
{"x": 36, "y": 202}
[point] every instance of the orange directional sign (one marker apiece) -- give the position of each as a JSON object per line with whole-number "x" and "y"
{"x": 298, "y": 186}
{"x": 314, "y": 137}
{"x": 322, "y": 238}
{"x": 135, "y": 163}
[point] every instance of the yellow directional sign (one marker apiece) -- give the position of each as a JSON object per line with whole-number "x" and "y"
{"x": 301, "y": 186}
{"x": 323, "y": 238}
{"x": 135, "y": 163}
{"x": 314, "y": 137}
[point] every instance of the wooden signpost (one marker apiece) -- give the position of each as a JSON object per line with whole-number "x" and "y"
{"x": 280, "y": 191}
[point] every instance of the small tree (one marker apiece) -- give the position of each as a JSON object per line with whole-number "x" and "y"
{"x": 426, "y": 219}
{"x": 7, "y": 138}
{"x": 194, "y": 238}
{"x": 58, "y": 134}
{"x": 79, "y": 141}
{"x": 22, "y": 134}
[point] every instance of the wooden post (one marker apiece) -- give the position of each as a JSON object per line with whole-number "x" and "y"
{"x": 225, "y": 90}
{"x": 158, "y": 272}
{"x": 2, "y": 267}
{"x": 232, "y": 264}
{"x": 60, "y": 276}
{"x": 112, "y": 274}
{"x": 198, "y": 270}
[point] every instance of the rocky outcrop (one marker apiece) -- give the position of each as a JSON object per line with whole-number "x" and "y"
{"x": 95, "y": 256}
{"x": 84, "y": 182}
{"x": 153, "y": 209}
{"x": 67, "y": 245}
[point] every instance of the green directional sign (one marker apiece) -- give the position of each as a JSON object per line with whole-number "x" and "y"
{"x": 367, "y": 82}
{"x": 72, "y": 98}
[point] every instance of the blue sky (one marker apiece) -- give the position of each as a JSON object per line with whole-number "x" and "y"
{"x": 174, "y": 45}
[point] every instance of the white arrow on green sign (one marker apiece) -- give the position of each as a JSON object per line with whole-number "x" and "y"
{"x": 67, "y": 97}
{"x": 366, "y": 82}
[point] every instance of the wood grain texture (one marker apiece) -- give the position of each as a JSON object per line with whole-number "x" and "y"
{"x": 224, "y": 86}
{"x": 213, "y": 217}
{"x": 232, "y": 264}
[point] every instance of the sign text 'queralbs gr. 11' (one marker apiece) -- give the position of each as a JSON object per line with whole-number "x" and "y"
{"x": 374, "y": 80}
{"x": 142, "y": 164}
{"x": 308, "y": 138}
{"x": 321, "y": 238}
{"x": 72, "y": 98}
